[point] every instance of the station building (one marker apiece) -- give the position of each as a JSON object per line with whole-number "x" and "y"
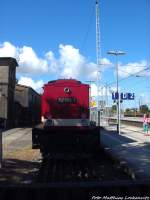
{"x": 27, "y": 106}
{"x": 7, "y": 87}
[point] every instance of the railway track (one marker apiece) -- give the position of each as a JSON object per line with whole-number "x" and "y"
{"x": 82, "y": 177}
{"x": 79, "y": 168}
{"x": 131, "y": 129}
{"x": 138, "y": 122}
{"x": 76, "y": 177}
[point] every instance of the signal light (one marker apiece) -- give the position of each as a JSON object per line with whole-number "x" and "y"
{"x": 66, "y": 90}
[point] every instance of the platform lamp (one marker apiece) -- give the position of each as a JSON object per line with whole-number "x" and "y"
{"x": 117, "y": 53}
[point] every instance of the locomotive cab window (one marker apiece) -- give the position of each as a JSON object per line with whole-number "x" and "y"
{"x": 66, "y": 100}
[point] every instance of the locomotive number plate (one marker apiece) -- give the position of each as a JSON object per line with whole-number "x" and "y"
{"x": 66, "y": 100}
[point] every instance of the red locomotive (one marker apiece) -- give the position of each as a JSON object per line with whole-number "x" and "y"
{"x": 65, "y": 119}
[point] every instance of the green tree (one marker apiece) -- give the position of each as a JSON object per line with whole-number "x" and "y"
{"x": 113, "y": 109}
{"x": 144, "y": 109}
{"x": 127, "y": 110}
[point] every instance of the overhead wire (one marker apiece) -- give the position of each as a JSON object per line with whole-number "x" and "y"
{"x": 130, "y": 74}
{"x": 134, "y": 74}
{"x": 138, "y": 81}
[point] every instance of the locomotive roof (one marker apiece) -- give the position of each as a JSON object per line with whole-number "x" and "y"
{"x": 61, "y": 81}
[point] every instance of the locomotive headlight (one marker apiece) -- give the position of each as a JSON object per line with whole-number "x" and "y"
{"x": 48, "y": 121}
{"x": 67, "y": 90}
{"x": 42, "y": 119}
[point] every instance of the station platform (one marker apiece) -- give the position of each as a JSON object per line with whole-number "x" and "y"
{"x": 131, "y": 149}
{"x": 19, "y": 160}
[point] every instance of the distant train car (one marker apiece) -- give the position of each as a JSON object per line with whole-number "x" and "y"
{"x": 27, "y": 106}
{"x": 65, "y": 118}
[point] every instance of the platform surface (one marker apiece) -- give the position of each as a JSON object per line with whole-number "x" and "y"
{"x": 130, "y": 148}
{"x": 19, "y": 160}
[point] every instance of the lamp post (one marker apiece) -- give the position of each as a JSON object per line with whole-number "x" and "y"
{"x": 117, "y": 53}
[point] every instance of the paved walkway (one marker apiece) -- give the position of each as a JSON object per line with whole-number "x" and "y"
{"x": 131, "y": 148}
{"x": 19, "y": 159}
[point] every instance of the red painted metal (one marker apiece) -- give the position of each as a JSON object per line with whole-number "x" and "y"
{"x": 65, "y": 99}
{"x": 65, "y": 102}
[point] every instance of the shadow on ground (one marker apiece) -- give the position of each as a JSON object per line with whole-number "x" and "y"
{"x": 122, "y": 138}
{"x": 15, "y": 171}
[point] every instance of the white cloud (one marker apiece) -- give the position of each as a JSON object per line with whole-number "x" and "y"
{"x": 70, "y": 62}
{"x": 102, "y": 91}
{"x": 36, "y": 85}
{"x": 93, "y": 90}
{"x": 105, "y": 63}
{"x": 74, "y": 65}
{"x": 8, "y": 50}
{"x": 30, "y": 63}
{"x": 133, "y": 68}
{"x": 52, "y": 62}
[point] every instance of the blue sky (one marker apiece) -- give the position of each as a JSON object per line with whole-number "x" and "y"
{"x": 53, "y": 39}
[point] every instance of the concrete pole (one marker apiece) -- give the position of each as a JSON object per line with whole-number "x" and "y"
{"x": 106, "y": 103}
{"x": 118, "y": 99}
{"x": 90, "y": 99}
{"x": 1, "y": 133}
{"x": 90, "y": 96}
{"x": 119, "y": 105}
{"x": 1, "y": 148}
{"x": 117, "y": 53}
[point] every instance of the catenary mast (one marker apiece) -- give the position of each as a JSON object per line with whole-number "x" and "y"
{"x": 98, "y": 59}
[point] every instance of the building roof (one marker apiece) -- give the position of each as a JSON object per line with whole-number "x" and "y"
{"x": 8, "y": 61}
{"x": 27, "y": 87}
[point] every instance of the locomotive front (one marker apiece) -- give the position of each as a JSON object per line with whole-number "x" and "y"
{"x": 65, "y": 119}
{"x": 65, "y": 103}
